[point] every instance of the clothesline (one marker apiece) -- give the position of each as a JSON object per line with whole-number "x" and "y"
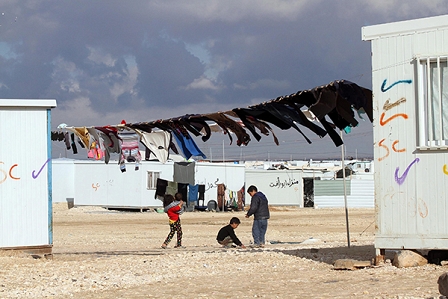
{"x": 337, "y": 100}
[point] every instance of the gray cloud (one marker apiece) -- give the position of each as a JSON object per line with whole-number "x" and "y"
{"x": 104, "y": 61}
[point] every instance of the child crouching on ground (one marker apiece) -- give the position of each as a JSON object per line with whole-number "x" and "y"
{"x": 226, "y": 235}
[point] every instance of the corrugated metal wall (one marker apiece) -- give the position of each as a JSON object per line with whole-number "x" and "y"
{"x": 411, "y": 185}
{"x": 331, "y": 187}
{"x": 24, "y": 193}
{"x": 330, "y": 193}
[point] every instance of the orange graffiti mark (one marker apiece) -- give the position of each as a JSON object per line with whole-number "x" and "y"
{"x": 95, "y": 186}
{"x": 397, "y": 150}
{"x": 383, "y": 122}
{"x": 445, "y": 170}
{"x": 387, "y": 149}
{"x": 4, "y": 174}
{"x": 422, "y": 208}
{"x": 10, "y": 172}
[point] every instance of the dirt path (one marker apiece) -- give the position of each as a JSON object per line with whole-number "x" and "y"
{"x": 110, "y": 254}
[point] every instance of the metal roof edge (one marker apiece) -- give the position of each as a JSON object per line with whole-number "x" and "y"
{"x": 28, "y": 103}
{"x": 403, "y": 27}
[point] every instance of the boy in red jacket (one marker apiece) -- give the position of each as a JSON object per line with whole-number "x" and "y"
{"x": 173, "y": 208}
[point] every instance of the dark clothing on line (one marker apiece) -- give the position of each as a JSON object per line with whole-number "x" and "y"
{"x": 161, "y": 185}
{"x": 226, "y": 124}
{"x": 184, "y": 172}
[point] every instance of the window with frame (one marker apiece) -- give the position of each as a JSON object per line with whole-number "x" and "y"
{"x": 152, "y": 177}
{"x": 433, "y": 102}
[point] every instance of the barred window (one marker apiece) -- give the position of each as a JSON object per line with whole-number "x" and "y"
{"x": 433, "y": 102}
{"x": 152, "y": 177}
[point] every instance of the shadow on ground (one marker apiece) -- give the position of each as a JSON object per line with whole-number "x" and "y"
{"x": 329, "y": 255}
{"x": 325, "y": 255}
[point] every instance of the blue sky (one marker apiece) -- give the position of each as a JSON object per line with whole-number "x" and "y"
{"x": 105, "y": 61}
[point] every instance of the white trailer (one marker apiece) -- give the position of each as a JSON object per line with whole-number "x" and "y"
{"x": 410, "y": 88}
{"x": 281, "y": 187}
{"x": 212, "y": 174}
{"x": 311, "y": 189}
{"x": 25, "y": 175}
{"x": 94, "y": 183}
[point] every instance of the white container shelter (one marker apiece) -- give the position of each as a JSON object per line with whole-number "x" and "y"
{"x": 25, "y": 175}
{"x": 212, "y": 174}
{"x": 63, "y": 180}
{"x": 410, "y": 88}
{"x": 287, "y": 188}
{"x": 281, "y": 187}
{"x": 94, "y": 183}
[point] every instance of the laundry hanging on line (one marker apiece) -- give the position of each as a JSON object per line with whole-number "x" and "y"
{"x": 320, "y": 110}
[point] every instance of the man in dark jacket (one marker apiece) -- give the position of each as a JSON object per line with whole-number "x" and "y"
{"x": 226, "y": 235}
{"x": 260, "y": 209}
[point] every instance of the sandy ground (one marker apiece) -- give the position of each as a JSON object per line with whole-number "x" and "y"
{"x": 99, "y": 253}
